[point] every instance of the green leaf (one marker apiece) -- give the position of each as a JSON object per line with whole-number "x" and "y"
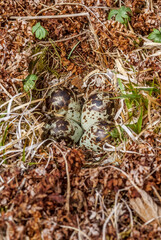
{"x": 55, "y": 49}
{"x": 32, "y": 77}
{"x": 112, "y": 13}
{"x": 124, "y": 15}
{"x": 130, "y": 96}
{"x": 133, "y": 127}
{"x": 121, "y": 85}
{"x": 114, "y": 133}
{"x": 137, "y": 127}
{"x": 140, "y": 121}
{"x": 155, "y": 36}
{"x": 35, "y": 27}
{"x": 119, "y": 18}
{"x": 152, "y": 36}
{"x": 157, "y": 39}
{"x": 150, "y": 93}
{"x": 73, "y": 50}
{"x": 122, "y": 88}
{"x": 33, "y": 163}
{"x": 29, "y": 82}
{"x": 4, "y": 136}
{"x": 121, "y": 14}
{"x": 39, "y": 31}
{"x": 148, "y": 89}
{"x": 28, "y": 85}
{"x": 23, "y": 154}
{"x": 156, "y": 31}
{"x": 124, "y": 9}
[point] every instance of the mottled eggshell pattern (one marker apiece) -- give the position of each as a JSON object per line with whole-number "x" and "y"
{"x": 65, "y": 115}
{"x": 96, "y": 136}
{"x": 64, "y": 102}
{"x": 64, "y": 129}
{"x": 74, "y": 111}
{"x": 97, "y": 108}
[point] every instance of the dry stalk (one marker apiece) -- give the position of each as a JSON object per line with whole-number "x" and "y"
{"x": 17, "y": 140}
{"x": 49, "y": 17}
{"x": 67, "y": 173}
{"x": 65, "y": 39}
{"x": 26, "y": 104}
{"x": 77, "y": 230}
{"x": 106, "y": 222}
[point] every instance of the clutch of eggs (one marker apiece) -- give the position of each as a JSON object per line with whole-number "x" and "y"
{"x": 94, "y": 117}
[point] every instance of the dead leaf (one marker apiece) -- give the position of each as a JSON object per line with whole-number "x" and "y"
{"x": 77, "y": 82}
{"x": 70, "y": 67}
{"x": 120, "y": 67}
{"x": 146, "y": 208}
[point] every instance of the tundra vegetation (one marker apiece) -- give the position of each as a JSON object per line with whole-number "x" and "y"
{"x": 52, "y": 190}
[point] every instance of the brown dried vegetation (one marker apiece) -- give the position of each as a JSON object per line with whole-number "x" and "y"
{"x": 49, "y": 191}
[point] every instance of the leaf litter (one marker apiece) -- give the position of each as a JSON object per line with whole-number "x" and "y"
{"x": 51, "y": 191}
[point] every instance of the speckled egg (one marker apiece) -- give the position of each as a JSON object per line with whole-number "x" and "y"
{"x": 97, "y": 108}
{"x": 63, "y": 129}
{"x": 96, "y": 136}
{"x": 63, "y": 102}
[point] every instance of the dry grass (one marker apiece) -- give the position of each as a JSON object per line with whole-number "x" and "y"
{"x": 22, "y": 121}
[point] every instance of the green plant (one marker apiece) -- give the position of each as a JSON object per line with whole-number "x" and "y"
{"x": 116, "y": 134}
{"x": 2, "y": 142}
{"x": 137, "y": 127}
{"x": 40, "y": 32}
{"x": 136, "y": 103}
{"x": 72, "y": 50}
{"x": 39, "y": 62}
{"x": 121, "y": 15}
{"x": 29, "y": 82}
{"x": 155, "y": 36}
{"x": 45, "y": 59}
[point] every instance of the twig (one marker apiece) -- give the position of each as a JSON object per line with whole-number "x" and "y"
{"x": 26, "y": 104}
{"x": 47, "y": 8}
{"x": 105, "y": 223}
{"x": 156, "y": 193}
{"x": 65, "y": 39}
{"x": 151, "y": 220}
{"x": 50, "y": 16}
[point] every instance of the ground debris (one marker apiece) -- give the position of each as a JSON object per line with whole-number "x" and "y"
{"x": 48, "y": 190}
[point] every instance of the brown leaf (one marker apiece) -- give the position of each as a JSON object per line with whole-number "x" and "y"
{"x": 77, "y": 82}
{"x": 56, "y": 198}
{"x": 109, "y": 3}
{"x": 146, "y": 208}
{"x": 71, "y": 66}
